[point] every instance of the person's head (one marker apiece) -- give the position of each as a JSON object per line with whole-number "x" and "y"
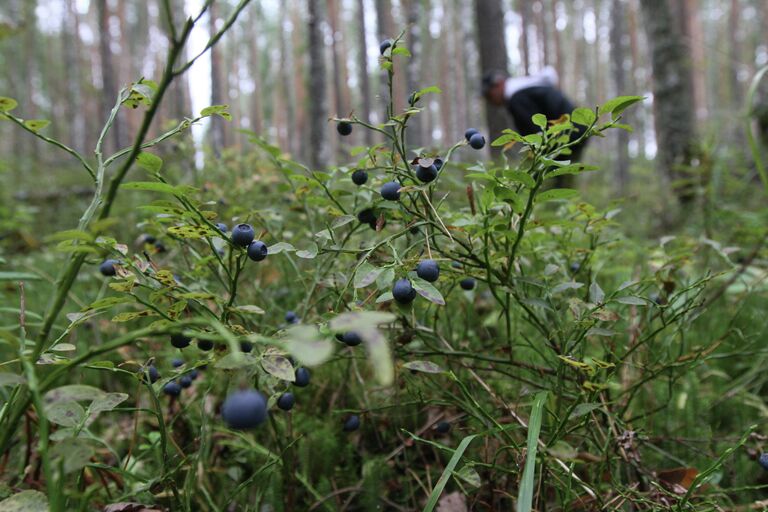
{"x": 493, "y": 87}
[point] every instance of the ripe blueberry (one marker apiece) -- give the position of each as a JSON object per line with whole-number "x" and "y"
{"x": 242, "y": 235}
{"x": 148, "y": 239}
{"x": 390, "y": 191}
{"x": 366, "y": 216}
{"x": 222, "y": 227}
{"x": 185, "y": 381}
{"x": 107, "y": 268}
{"x": 244, "y": 409}
{"x": 403, "y": 291}
{"x": 352, "y": 339}
{"x": 172, "y": 389}
{"x": 286, "y": 401}
{"x": 302, "y": 377}
{"x": 442, "y": 427}
{"x": 291, "y": 317}
{"x": 575, "y": 267}
{"x": 477, "y": 141}
{"x": 438, "y": 163}
{"x": 352, "y": 423}
{"x": 246, "y": 346}
{"x": 763, "y": 461}
{"x": 160, "y": 247}
{"x": 469, "y": 133}
{"x": 154, "y": 375}
{"x": 359, "y": 177}
{"x": 344, "y": 128}
{"x": 204, "y": 344}
{"x": 426, "y": 174}
{"x": 257, "y": 250}
{"x": 177, "y": 362}
{"x": 428, "y": 270}
{"x": 178, "y": 340}
{"x": 468, "y": 283}
{"x": 384, "y": 45}
{"x": 194, "y": 374}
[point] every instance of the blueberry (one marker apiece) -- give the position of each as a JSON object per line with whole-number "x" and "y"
{"x": 468, "y": 283}
{"x": 763, "y": 461}
{"x": 242, "y": 235}
{"x": 291, "y": 317}
{"x": 257, "y": 250}
{"x": 222, "y": 227}
{"x": 470, "y": 132}
{"x": 160, "y": 247}
{"x": 154, "y": 375}
{"x": 244, "y": 409}
{"x": 302, "y": 377}
{"x": 194, "y": 374}
{"x": 107, "y": 268}
{"x": 426, "y": 174}
{"x": 477, "y": 141}
{"x": 172, "y": 389}
{"x": 286, "y": 401}
{"x": 443, "y": 427}
{"x": 185, "y": 381}
{"x": 575, "y": 267}
{"x": 344, "y": 128}
{"x": 455, "y": 264}
{"x": 428, "y": 270}
{"x": 148, "y": 239}
{"x": 352, "y": 339}
{"x": 359, "y": 177}
{"x": 403, "y": 291}
{"x": 438, "y": 163}
{"x": 366, "y": 216}
{"x": 384, "y": 45}
{"x": 390, "y": 191}
{"x": 352, "y": 423}
{"x": 177, "y": 362}
{"x": 246, "y": 346}
{"x": 204, "y": 344}
{"x": 413, "y": 98}
{"x": 178, "y": 340}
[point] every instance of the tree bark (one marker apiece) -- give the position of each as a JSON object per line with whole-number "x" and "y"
{"x": 489, "y": 17}
{"x": 218, "y": 133}
{"x": 362, "y": 64}
{"x": 618, "y": 52}
{"x": 318, "y": 112}
{"x": 109, "y": 87}
{"x": 672, "y": 95}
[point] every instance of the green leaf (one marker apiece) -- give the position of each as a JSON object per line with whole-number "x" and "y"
{"x": 72, "y": 393}
{"x": 583, "y": 116}
{"x": 25, "y": 501}
{"x": 36, "y": 124}
{"x": 582, "y": 409}
{"x": 539, "y": 120}
{"x": 506, "y": 137}
{"x": 249, "y": 309}
{"x": 308, "y": 254}
{"x": 342, "y": 220}
{"x": 384, "y": 297}
{"x": 149, "y": 162}
{"x": 428, "y": 291}
{"x": 401, "y": 50}
{"x": 305, "y": 343}
{"x": 618, "y": 105}
{"x": 366, "y": 275}
{"x": 631, "y": 300}
{"x": 379, "y": 354}
{"x": 360, "y": 320}
{"x": 527, "y": 485}
{"x": 557, "y": 193}
{"x": 447, "y": 472}
{"x": 278, "y": 366}
{"x": 236, "y": 361}
{"x": 596, "y": 294}
{"x": 7, "y": 104}
{"x": 423, "y": 366}
{"x": 218, "y": 110}
{"x": 520, "y": 177}
{"x": 280, "y": 247}
{"x": 66, "y": 414}
{"x": 107, "y": 402}
{"x": 153, "y": 186}
{"x": 469, "y": 475}
{"x": 10, "y": 379}
{"x": 18, "y": 276}
{"x": 73, "y": 453}
{"x": 431, "y": 88}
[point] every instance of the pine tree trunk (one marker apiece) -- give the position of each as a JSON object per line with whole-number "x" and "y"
{"x": 362, "y": 63}
{"x": 218, "y": 135}
{"x": 618, "y": 51}
{"x": 672, "y": 93}
{"x": 318, "y": 112}
{"x": 109, "y": 87}
{"x": 489, "y": 17}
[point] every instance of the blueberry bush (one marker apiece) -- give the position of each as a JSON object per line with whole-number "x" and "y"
{"x": 383, "y": 335}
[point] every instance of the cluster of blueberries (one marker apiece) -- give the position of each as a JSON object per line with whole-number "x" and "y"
{"x": 174, "y": 387}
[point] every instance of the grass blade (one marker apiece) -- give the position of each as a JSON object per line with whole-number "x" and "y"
{"x": 525, "y": 495}
{"x": 438, "y": 490}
